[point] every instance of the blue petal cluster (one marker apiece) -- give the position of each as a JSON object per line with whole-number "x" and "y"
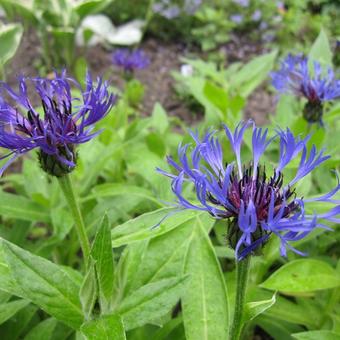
{"x": 257, "y": 206}
{"x": 169, "y": 10}
{"x": 65, "y": 122}
{"x": 130, "y": 61}
{"x": 296, "y": 78}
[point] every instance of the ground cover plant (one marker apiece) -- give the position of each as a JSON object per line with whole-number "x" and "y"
{"x": 175, "y": 177}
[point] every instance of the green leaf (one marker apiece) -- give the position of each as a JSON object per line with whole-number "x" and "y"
{"x": 88, "y": 290}
{"x": 150, "y": 302}
{"x": 150, "y": 225}
{"x": 7, "y": 310}
{"x": 10, "y": 37}
{"x": 42, "y": 331}
{"x": 87, "y": 7}
{"x": 304, "y": 275}
{"x": 277, "y": 329}
{"x": 160, "y": 119}
{"x": 317, "y": 335}
{"x": 321, "y": 50}
{"x": 128, "y": 270}
{"x": 166, "y": 254}
{"x": 155, "y": 143}
{"x": 106, "y": 328}
{"x": 16, "y": 327}
{"x": 216, "y": 95}
{"x": 253, "y": 309}
{"x": 24, "y": 9}
{"x": 21, "y": 208}
{"x": 252, "y": 74}
{"x": 44, "y": 283}
{"x": 205, "y": 304}
{"x": 102, "y": 254}
{"x": 121, "y": 189}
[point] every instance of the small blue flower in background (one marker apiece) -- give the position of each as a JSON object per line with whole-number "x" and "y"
{"x": 191, "y": 6}
{"x": 66, "y": 121}
{"x": 317, "y": 87}
{"x": 242, "y": 3}
{"x": 237, "y": 18}
{"x": 168, "y": 10}
{"x": 129, "y": 61}
{"x": 257, "y": 15}
{"x": 256, "y": 204}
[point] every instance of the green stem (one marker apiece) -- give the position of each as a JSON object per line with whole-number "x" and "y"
{"x": 148, "y": 16}
{"x": 67, "y": 188}
{"x": 242, "y": 270}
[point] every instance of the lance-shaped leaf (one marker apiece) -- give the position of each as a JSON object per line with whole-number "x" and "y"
{"x": 44, "y": 283}
{"x": 43, "y": 330}
{"x": 89, "y": 290}
{"x": 205, "y": 304}
{"x": 7, "y": 310}
{"x": 150, "y": 302}
{"x": 102, "y": 254}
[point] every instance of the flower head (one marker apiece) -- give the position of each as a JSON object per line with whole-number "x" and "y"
{"x": 130, "y": 61}
{"x": 317, "y": 87}
{"x": 66, "y": 121}
{"x": 236, "y": 18}
{"x": 255, "y": 204}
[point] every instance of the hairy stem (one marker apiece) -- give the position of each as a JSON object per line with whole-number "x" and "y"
{"x": 242, "y": 270}
{"x": 67, "y": 188}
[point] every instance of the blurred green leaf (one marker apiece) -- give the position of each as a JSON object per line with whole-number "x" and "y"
{"x": 317, "y": 335}
{"x": 121, "y": 189}
{"x": 87, "y": 7}
{"x": 16, "y": 327}
{"x": 160, "y": 119}
{"x": 217, "y": 96}
{"x": 10, "y": 37}
{"x": 25, "y": 9}
{"x": 304, "y": 275}
{"x": 321, "y": 50}
{"x": 42, "y": 331}
{"x": 19, "y": 207}
{"x": 253, "y": 74}
{"x": 7, "y": 310}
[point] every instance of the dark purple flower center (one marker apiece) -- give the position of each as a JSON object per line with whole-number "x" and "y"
{"x": 259, "y": 191}
{"x": 57, "y": 122}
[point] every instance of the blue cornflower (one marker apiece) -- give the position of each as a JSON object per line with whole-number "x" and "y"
{"x": 129, "y": 61}
{"x": 65, "y": 122}
{"x": 255, "y": 204}
{"x": 317, "y": 87}
{"x": 237, "y": 18}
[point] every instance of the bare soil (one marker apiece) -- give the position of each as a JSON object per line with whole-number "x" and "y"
{"x": 159, "y": 84}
